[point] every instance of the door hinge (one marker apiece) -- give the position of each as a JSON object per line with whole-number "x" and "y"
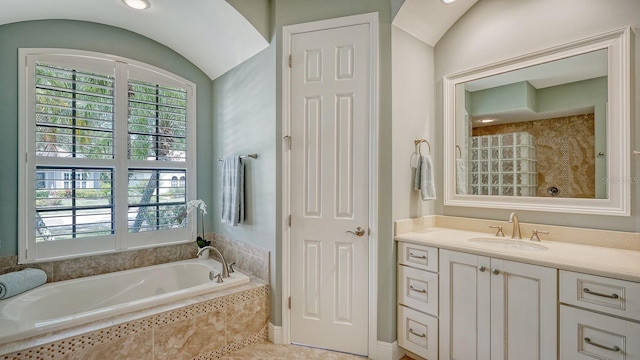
{"x": 289, "y": 220}
{"x": 289, "y": 302}
{"x": 290, "y": 61}
{"x": 287, "y": 138}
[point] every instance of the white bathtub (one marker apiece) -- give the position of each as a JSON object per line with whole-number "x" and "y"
{"x": 69, "y": 303}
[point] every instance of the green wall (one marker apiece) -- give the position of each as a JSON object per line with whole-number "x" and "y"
{"x": 91, "y": 37}
{"x": 244, "y": 122}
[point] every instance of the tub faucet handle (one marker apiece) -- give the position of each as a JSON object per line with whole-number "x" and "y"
{"x": 219, "y": 278}
{"x": 231, "y": 267}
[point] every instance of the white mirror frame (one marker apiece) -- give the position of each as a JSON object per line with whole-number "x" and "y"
{"x": 618, "y": 150}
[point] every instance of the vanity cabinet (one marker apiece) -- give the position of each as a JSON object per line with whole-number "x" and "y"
{"x": 418, "y": 299}
{"x": 599, "y": 317}
{"x": 494, "y": 309}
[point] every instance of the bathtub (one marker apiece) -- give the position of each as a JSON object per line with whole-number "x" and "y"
{"x": 65, "y": 304}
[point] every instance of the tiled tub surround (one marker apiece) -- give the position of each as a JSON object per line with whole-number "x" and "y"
{"x": 611, "y": 253}
{"x": 252, "y": 260}
{"x": 70, "y": 303}
{"x": 208, "y": 326}
{"x": 205, "y": 327}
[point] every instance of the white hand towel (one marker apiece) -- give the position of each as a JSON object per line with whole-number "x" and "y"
{"x": 461, "y": 177}
{"x": 427, "y": 184}
{"x": 232, "y": 192}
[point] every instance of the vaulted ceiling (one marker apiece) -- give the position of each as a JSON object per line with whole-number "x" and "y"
{"x": 428, "y": 20}
{"x": 211, "y": 34}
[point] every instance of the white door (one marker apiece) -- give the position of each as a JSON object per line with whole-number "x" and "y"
{"x": 330, "y": 92}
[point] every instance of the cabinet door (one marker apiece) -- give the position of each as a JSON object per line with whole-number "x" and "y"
{"x": 464, "y": 306}
{"x": 523, "y": 311}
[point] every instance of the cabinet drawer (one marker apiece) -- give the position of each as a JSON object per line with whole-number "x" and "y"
{"x": 418, "y": 256}
{"x": 617, "y": 297}
{"x": 418, "y": 332}
{"x": 587, "y": 335}
{"x": 418, "y": 289}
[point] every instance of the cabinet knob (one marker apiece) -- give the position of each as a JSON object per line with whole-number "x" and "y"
{"x": 495, "y": 271}
{"x": 482, "y": 268}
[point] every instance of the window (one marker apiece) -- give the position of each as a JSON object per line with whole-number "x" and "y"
{"x": 40, "y": 180}
{"x": 105, "y": 139}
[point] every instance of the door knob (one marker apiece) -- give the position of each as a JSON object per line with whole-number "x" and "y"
{"x": 359, "y": 231}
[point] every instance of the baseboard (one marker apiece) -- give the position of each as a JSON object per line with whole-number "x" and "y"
{"x": 275, "y": 334}
{"x": 387, "y": 351}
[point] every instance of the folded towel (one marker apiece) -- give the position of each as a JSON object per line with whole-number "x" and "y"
{"x": 461, "y": 177}
{"x": 424, "y": 178}
{"x": 232, "y": 194}
{"x": 20, "y": 281}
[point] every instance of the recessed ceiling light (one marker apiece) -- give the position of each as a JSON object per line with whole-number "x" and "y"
{"x": 486, "y": 121}
{"x": 137, "y": 4}
{"x": 447, "y": 2}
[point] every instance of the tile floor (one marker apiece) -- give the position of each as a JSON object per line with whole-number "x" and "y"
{"x": 270, "y": 351}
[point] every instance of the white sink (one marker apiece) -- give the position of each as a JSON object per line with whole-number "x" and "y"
{"x": 510, "y": 244}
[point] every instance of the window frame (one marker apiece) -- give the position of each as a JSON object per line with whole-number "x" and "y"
{"x": 123, "y": 69}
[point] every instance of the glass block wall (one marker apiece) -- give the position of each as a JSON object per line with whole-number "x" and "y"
{"x": 503, "y": 164}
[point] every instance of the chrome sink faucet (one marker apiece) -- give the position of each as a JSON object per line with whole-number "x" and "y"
{"x": 225, "y": 267}
{"x": 515, "y": 233}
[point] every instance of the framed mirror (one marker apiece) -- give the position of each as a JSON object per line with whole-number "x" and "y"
{"x": 547, "y": 131}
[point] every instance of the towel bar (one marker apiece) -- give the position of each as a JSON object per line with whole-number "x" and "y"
{"x": 253, "y": 156}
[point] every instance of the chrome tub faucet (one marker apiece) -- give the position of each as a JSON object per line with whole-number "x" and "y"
{"x": 225, "y": 267}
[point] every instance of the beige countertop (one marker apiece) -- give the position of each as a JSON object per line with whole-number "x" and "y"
{"x": 610, "y": 262}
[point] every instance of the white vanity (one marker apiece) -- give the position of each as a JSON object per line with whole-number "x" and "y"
{"x": 471, "y": 295}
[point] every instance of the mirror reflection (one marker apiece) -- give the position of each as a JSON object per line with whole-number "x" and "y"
{"x": 539, "y": 131}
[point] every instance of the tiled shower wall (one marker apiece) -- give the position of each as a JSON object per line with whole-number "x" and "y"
{"x": 565, "y": 152}
{"x": 250, "y": 259}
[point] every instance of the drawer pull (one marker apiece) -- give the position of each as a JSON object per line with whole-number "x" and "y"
{"x": 417, "y": 290}
{"x": 411, "y": 255}
{"x": 612, "y": 296}
{"x": 416, "y": 334}
{"x": 614, "y": 349}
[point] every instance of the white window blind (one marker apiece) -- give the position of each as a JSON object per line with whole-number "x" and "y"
{"x": 104, "y": 141}
{"x": 157, "y": 132}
